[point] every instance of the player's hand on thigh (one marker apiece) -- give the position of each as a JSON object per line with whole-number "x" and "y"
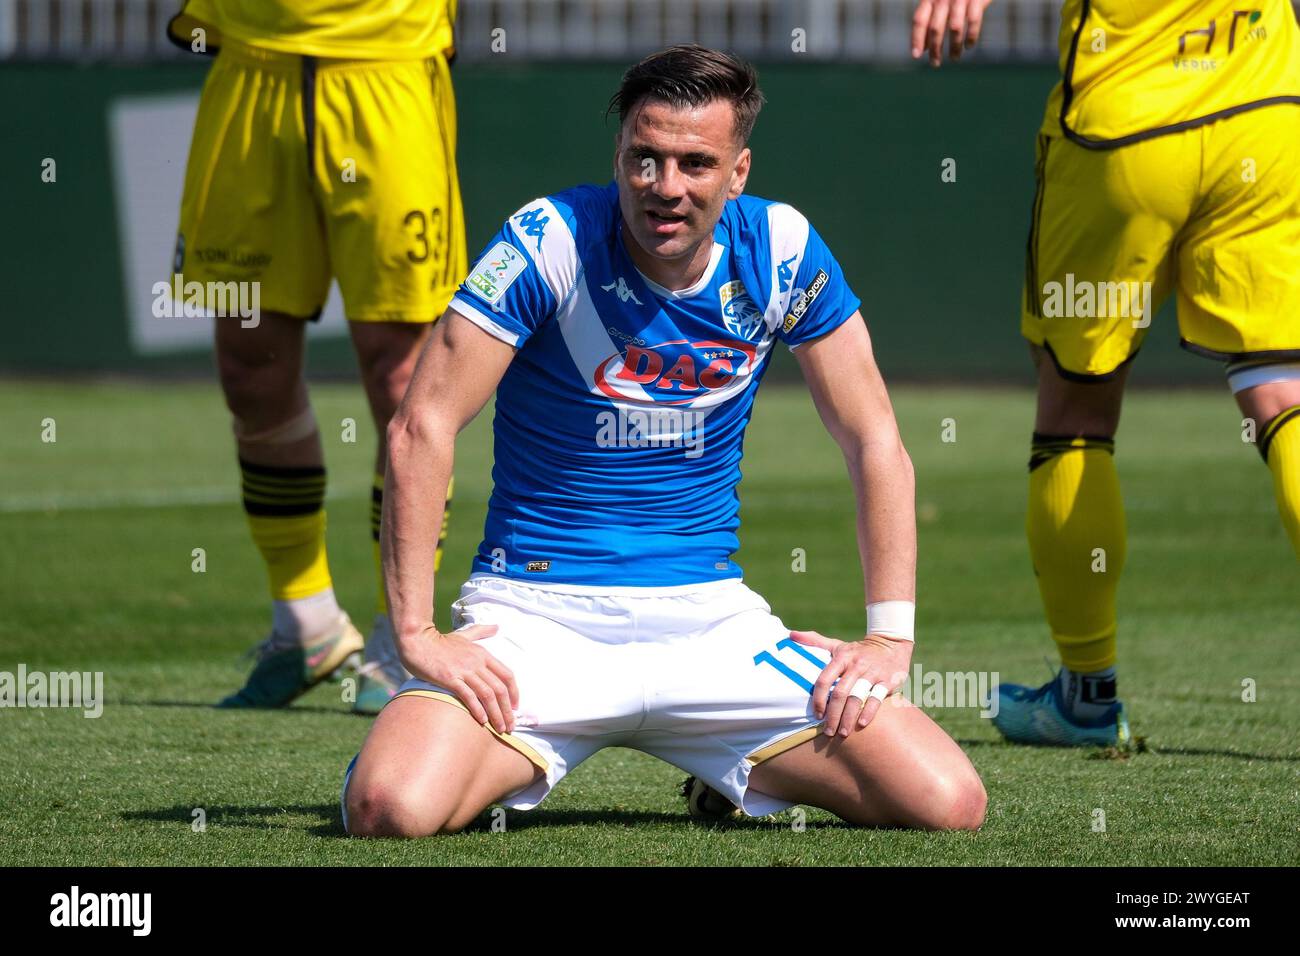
{"x": 457, "y": 662}
{"x": 959, "y": 20}
{"x": 860, "y": 675}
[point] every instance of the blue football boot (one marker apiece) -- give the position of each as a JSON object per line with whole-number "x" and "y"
{"x": 1036, "y": 715}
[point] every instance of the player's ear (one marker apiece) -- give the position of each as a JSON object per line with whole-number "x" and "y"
{"x": 740, "y": 173}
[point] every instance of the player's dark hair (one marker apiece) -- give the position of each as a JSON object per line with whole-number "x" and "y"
{"x": 687, "y": 76}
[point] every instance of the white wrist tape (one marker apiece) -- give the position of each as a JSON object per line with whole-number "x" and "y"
{"x": 896, "y": 619}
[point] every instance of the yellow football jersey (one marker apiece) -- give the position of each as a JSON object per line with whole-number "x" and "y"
{"x": 1133, "y": 69}
{"x": 346, "y": 29}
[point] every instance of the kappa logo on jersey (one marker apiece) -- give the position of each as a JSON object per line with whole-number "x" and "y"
{"x": 673, "y": 373}
{"x": 803, "y": 300}
{"x": 494, "y": 273}
{"x": 621, "y": 290}
{"x": 534, "y": 224}
{"x": 784, "y": 274}
{"x": 741, "y": 316}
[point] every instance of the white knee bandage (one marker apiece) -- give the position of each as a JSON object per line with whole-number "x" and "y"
{"x": 295, "y": 429}
{"x": 1244, "y": 375}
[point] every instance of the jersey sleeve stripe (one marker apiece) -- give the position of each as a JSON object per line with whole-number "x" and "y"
{"x": 480, "y": 318}
{"x": 543, "y": 232}
{"x": 788, "y": 232}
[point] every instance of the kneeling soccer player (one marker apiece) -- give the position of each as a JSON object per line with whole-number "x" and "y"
{"x": 625, "y": 330}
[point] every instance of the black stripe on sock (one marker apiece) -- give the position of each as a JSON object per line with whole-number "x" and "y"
{"x": 271, "y": 491}
{"x": 281, "y": 471}
{"x": 1276, "y": 425}
{"x": 1043, "y": 448}
{"x": 262, "y": 510}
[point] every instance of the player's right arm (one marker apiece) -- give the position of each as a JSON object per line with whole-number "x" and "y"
{"x": 504, "y": 300}
{"x": 959, "y": 20}
{"x": 458, "y": 370}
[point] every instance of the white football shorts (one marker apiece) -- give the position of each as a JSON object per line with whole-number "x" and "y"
{"x": 703, "y": 676}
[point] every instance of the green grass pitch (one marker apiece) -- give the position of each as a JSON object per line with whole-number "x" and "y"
{"x": 98, "y": 529}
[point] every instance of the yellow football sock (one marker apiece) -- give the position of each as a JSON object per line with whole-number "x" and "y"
{"x": 1077, "y": 540}
{"x": 1280, "y": 446}
{"x": 285, "y": 508}
{"x": 376, "y": 513}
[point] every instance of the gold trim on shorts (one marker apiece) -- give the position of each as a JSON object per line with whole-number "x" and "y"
{"x": 533, "y": 756}
{"x": 788, "y": 742}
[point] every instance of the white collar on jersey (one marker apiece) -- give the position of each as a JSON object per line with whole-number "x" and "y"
{"x": 692, "y": 289}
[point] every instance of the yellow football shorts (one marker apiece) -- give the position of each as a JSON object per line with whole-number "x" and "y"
{"x": 302, "y": 168}
{"x": 1212, "y": 213}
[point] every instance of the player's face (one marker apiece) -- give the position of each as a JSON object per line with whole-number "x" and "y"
{"x": 676, "y": 169}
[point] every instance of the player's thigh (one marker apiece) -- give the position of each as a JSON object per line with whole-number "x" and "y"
{"x": 1263, "y": 403}
{"x": 248, "y": 214}
{"x": 1098, "y": 261}
{"x": 1069, "y": 406}
{"x": 427, "y": 767}
{"x": 1239, "y": 257}
{"x": 387, "y": 177}
{"x": 261, "y": 367}
{"x": 902, "y": 769}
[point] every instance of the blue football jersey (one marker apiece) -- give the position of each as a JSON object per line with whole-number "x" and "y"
{"x": 619, "y": 423}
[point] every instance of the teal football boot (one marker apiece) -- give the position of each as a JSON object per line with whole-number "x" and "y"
{"x": 1035, "y": 715}
{"x": 382, "y": 673}
{"x": 287, "y": 669}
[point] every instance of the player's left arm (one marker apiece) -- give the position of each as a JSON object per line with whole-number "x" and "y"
{"x": 850, "y": 395}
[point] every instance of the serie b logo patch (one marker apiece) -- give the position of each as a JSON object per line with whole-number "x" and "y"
{"x": 494, "y": 273}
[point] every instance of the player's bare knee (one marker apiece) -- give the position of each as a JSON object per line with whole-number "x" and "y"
{"x": 956, "y": 803}
{"x": 380, "y": 809}
{"x": 253, "y": 387}
{"x": 966, "y": 811}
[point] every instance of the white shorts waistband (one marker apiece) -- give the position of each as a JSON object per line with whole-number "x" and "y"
{"x": 482, "y": 579}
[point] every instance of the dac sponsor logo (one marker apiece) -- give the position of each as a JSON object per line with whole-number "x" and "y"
{"x": 673, "y": 373}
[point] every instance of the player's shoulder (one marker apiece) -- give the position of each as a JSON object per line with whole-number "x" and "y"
{"x": 761, "y": 223}
{"x": 560, "y": 225}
